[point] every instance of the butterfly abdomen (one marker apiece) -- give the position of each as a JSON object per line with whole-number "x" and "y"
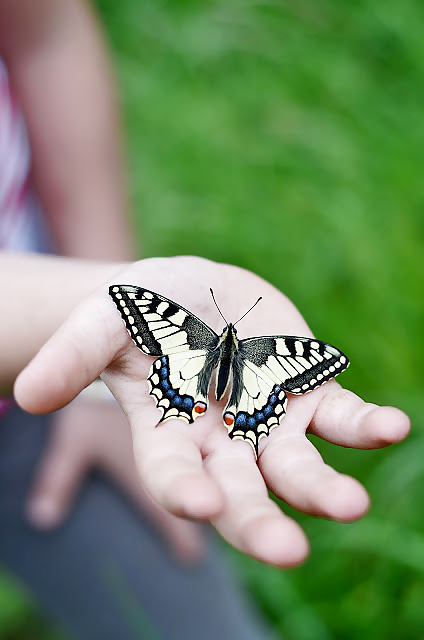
{"x": 228, "y": 346}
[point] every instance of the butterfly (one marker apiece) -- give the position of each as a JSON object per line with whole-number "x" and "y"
{"x": 261, "y": 370}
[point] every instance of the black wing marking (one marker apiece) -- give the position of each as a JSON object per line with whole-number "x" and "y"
{"x": 256, "y": 404}
{"x": 157, "y": 325}
{"x": 179, "y": 379}
{"x": 298, "y": 365}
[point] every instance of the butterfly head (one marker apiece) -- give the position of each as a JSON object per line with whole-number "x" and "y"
{"x": 228, "y": 337}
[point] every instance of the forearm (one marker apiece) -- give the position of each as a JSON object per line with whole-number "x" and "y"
{"x": 39, "y": 292}
{"x": 60, "y": 73}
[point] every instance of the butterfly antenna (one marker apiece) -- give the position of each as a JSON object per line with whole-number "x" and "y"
{"x": 220, "y": 312}
{"x": 252, "y": 307}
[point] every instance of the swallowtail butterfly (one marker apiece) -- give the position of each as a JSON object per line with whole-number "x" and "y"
{"x": 187, "y": 352}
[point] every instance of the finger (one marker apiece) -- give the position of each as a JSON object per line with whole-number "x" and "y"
{"x": 344, "y": 419}
{"x": 56, "y": 483}
{"x": 185, "y": 539}
{"x": 295, "y": 472}
{"x": 171, "y": 467}
{"x": 250, "y": 521}
{"x": 74, "y": 357}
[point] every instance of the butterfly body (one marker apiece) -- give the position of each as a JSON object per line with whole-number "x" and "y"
{"x": 228, "y": 348}
{"x": 260, "y": 370}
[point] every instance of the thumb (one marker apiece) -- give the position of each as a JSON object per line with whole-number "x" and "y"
{"x": 57, "y": 481}
{"x": 72, "y": 358}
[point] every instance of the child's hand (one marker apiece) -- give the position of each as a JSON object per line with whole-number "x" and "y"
{"x": 196, "y": 470}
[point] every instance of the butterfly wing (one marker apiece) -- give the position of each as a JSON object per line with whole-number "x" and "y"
{"x": 179, "y": 378}
{"x": 264, "y": 369}
{"x": 256, "y": 404}
{"x": 299, "y": 365}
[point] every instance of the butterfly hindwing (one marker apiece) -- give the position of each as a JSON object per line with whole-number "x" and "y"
{"x": 174, "y": 381}
{"x": 256, "y": 404}
{"x": 179, "y": 379}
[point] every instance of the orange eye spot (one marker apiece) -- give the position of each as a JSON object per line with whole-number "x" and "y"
{"x": 229, "y": 419}
{"x": 200, "y": 407}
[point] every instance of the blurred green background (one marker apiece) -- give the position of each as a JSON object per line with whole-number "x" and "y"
{"x": 288, "y": 137}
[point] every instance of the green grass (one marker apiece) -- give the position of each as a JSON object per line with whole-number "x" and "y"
{"x": 288, "y": 138}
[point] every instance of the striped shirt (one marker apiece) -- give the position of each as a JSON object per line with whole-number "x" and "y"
{"x": 16, "y": 228}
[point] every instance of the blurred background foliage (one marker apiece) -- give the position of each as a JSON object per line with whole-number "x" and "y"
{"x": 288, "y": 138}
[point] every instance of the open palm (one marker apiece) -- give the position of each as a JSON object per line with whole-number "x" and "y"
{"x": 195, "y": 470}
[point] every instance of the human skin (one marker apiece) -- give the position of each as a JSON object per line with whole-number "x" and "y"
{"x": 195, "y": 470}
{"x": 41, "y": 293}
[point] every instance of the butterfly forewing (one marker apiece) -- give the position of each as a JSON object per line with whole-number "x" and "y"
{"x": 157, "y": 325}
{"x": 256, "y": 404}
{"x": 298, "y": 364}
{"x": 179, "y": 379}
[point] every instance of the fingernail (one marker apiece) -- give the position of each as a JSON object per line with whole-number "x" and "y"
{"x": 43, "y": 513}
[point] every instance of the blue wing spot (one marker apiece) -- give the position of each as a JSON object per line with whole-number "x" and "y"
{"x": 259, "y": 416}
{"x": 277, "y": 388}
{"x": 188, "y": 403}
{"x": 273, "y": 399}
{"x": 267, "y": 410}
{"x": 183, "y": 403}
{"x": 241, "y": 420}
{"x": 251, "y": 422}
